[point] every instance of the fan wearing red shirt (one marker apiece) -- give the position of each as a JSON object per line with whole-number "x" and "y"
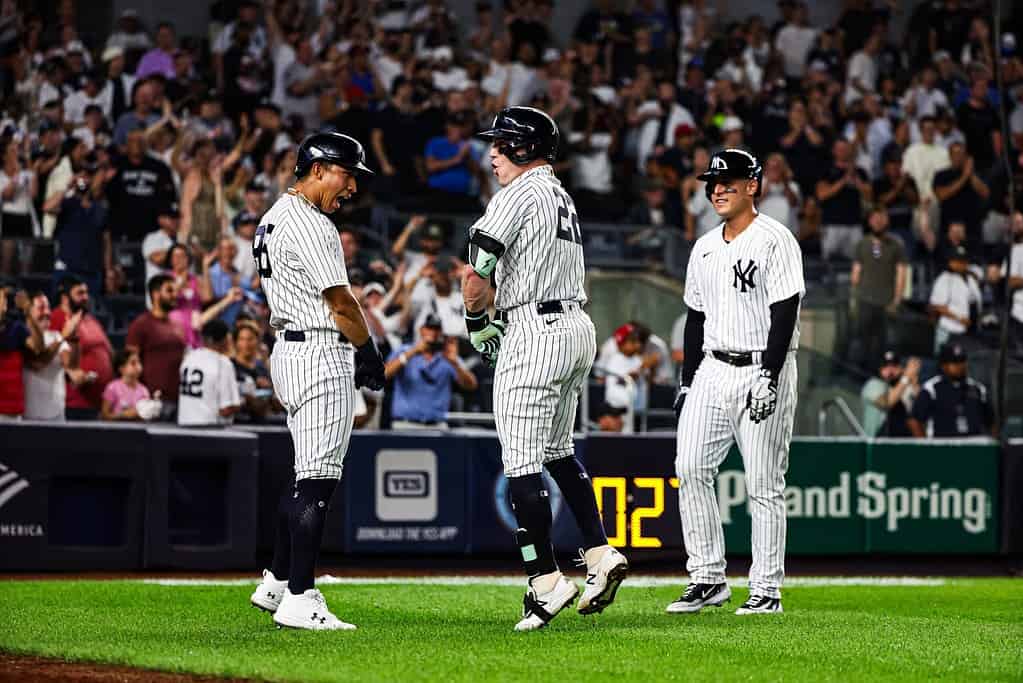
{"x": 91, "y": 364}
{"x": 160, "y": 343}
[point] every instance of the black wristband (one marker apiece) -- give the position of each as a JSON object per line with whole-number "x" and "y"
{"x": 474, "y": 322}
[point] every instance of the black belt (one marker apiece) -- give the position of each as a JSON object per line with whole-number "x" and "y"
{"x": 542, "y": 308}
{"x": 299, "y": 336}
{"x": 739, "y": 360}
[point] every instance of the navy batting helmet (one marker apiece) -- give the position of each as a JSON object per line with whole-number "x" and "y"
{"x": 331, "y": 148}
{"x": 731, "y": 164}
{"x": 524, "y": 134}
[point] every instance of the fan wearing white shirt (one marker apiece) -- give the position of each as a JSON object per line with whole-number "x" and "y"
{"x": 953, "y": 297}
{"x": 43, "y": 376}
{"x": 209, "y": 394}
{"x": 781, "y": 198}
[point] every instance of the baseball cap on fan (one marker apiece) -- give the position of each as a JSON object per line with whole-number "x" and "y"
{"x": 891, "y": 357}
{"x": 952, "y": 352}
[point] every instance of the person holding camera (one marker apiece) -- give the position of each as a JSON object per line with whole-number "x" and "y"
{"x": 81, "y": 224}
{"x": 422, "y": 375}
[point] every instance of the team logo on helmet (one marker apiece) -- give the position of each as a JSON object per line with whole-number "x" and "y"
{"x": 718, "y": 164}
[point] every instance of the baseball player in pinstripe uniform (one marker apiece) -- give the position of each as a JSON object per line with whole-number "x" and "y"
{"x": 542, "y": 344}
{"x": 314, "y": 370}
{"x": 744, "y": 284}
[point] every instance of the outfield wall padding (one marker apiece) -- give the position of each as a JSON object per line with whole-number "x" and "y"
{"x": 122, "y": 497}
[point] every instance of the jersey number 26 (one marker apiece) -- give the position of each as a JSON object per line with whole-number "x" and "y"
{"x": 259, "y": 250}
{"x": 568, "y": 223}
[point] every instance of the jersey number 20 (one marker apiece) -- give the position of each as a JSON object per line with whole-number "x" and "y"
{"x": 568, "y": 224}
{"x": 259, "y": 251}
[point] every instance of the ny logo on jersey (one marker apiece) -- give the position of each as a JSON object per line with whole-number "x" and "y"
{"x": 744, "y": 276}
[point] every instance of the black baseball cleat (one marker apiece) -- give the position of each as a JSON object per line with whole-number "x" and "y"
{"x": 699, "y": 595}
{"x": 760, "y": 604}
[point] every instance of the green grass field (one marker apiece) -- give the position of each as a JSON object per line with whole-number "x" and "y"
{"x": 961, "y": 630}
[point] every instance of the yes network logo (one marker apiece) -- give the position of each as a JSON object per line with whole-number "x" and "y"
{"x": 406, "y": 485}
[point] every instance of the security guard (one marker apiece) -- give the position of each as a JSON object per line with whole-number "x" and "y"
{"x": 952, "y": 404}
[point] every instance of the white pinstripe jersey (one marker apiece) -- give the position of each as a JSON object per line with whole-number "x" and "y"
{"x": 734, "y": 283}
{"x": 298, "y": 255}
{"x": 536, "y": 221}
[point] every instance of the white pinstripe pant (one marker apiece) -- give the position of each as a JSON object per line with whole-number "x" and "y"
{"x": 713, "y": 417}
{"x": 543, "y": 363}
{"x": 314, "y": 381}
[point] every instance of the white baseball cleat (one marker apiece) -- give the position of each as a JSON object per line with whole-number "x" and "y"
{"x": 539, "y": 608}
{"x": 308, "y": 611}
{"x": 606, "y": 568}
{"x": 269, "y": 592}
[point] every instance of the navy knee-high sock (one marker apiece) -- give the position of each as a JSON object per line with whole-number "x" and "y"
{"x": 577, "y": 490}
{"x": 308, "y": 513}
{"x": 532, "y": 508}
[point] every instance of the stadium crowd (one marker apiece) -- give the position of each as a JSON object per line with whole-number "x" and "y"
{"x": 136, "y": 166}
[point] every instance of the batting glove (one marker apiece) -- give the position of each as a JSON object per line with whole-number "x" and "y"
{"x": 680, "y": 399}
{"x": 763, "y": 397}
{"x": 490, "y": 360}
{"x": 369, "y": 367}
{"x": 485, "y": 334}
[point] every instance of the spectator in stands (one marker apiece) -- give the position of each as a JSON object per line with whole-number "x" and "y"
{"x": 979, "y": 123}
{"x": 157, "y": 244}
{"x": 245, "y": 225}
{"x": 952, "y": 404}
{"x": 428, "y": 245}
{"x": 129, "y": 33}
{"x": 1013, "y": 269}
{"x": 141, "y": 188}
{"x": 656, "y": 121}
{"x": 442, "y": 300}
{"x": 221, "y": 276}
{"x": 780, "y": 198}
{"x": 625, "y": 370}
{"x": 140, "y": 116}
{"x": 251, "y": 373}
{"x": 82, "y": 231}
{"x": 896, "y": 192}
{"x": 925, "y": 98}
{"x": 122, "y": 396}
{"x": 89, "y": 363}
{"x": 962, "y": 194}
{"x": 160, "y": 59}
{"x": 195, "y": 304}
{"x": 449, "y": 165}
{"x": 592, "y": 142}
{"x": 393, "y": 135}
{"x": 18, "y": 189}
{"x": 202, "y": 198}
{"x": 923, "y": 159}
{"x": 794, "y": 41}
{"x": 861, "y": 78}
{"x": 655, "y": 211}
{"x": 700, "y": 216}
{"x": 20, "y": 343}
{"x": 45, "y": 392}
{"x": 61, "y": 180}
{"x": 87, "y": 95}
{"x": 118, "y": 86}
{"x": 878, "y": 279}
{"x": 160, "y": 343}
{"x": 955, "y": 300}
{"x": 841, "y": 193}
{"x": 303, "y": 79}
{"x": 423, "y": 374}
{"x": 209, "y": 391}
{"x": 888, "y": 397}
